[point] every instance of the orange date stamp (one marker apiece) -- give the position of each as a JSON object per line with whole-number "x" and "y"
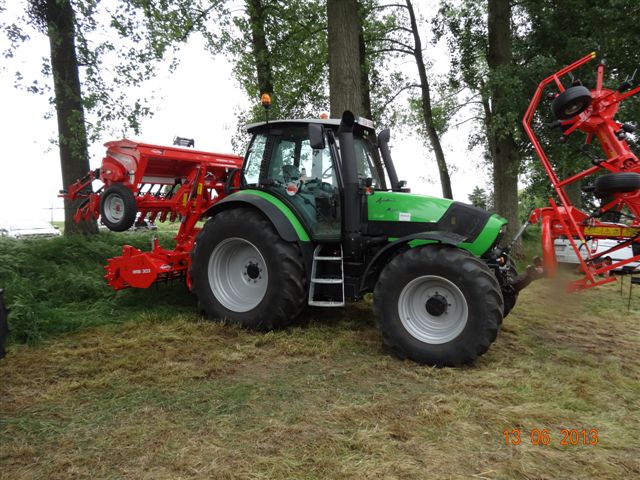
{"x": 565, "y": 437}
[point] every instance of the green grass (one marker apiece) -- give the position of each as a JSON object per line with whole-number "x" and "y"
{"x": 56, "y": 285}
{"x": 145, "y": 388}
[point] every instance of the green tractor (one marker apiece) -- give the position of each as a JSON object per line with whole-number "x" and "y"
{"x": 317, "y": 216}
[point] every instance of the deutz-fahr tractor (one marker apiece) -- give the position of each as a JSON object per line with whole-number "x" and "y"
{"x": 316, "y": 216}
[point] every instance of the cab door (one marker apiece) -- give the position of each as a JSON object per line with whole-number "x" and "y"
{"x": 282, "y": 162}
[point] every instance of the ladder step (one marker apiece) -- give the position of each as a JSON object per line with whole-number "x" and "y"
{"x": 324, "y": 303}
{"x": 328, "y": 281}
{"x": 318, "y": 278}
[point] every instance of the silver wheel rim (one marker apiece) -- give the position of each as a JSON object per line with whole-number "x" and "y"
{"x": 433, "y": 309}
{"x": 114, "y": 208}
{"x": 238, "y": 274}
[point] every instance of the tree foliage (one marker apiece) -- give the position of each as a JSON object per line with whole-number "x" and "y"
{"x": 295, "y": 51}
{"x": 479, "y": 198}
{"x": 393, "y": 33}
{"x": 547, "y": 35}
{"x": 97, "y": 52}
{"x": 119, "y": 45}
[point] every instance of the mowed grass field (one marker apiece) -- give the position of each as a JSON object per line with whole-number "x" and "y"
{"x": 136, "y": 385}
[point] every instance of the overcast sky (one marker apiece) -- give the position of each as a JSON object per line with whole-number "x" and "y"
{"x": 198, "y": 100}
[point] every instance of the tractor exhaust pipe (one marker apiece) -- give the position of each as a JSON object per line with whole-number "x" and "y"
{"x": 351, "y": 218}
{"x": 385, "y": 153}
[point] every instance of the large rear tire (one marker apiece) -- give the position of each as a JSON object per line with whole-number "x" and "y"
{"x": 438, "y": 305}
{"x": 244, "y": 273}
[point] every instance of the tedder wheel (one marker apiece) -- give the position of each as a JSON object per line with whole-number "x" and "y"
{"x": 573, "y": 101}
{"x": 243, "y": 272}
{"x": 611, "y": 183}
{"x": 438, "y": 305}
{"x": 118, "y": 208}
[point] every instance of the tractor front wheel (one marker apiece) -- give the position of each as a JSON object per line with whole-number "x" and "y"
{"x": 438, "y": 305}
{"x": 243, "y": 272}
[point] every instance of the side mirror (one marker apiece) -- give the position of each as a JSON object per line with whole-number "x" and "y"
{"x": 384, "y": 136}
{"x": 235, "y": 181}
{"x": 316, "y": 136}
{"x": 402, "y": 186}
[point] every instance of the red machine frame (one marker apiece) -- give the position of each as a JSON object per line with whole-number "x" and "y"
{"x": 168, "y": 183}
{"x": 564, "y": 219}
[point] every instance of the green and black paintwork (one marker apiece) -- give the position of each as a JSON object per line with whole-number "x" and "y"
{"x": 376, "y": 224}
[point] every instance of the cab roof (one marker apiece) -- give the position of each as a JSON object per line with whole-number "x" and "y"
{"x": 333, "y": 123}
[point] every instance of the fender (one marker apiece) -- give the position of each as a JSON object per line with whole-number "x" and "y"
{"x": 380, "y": 259}
{"x": 286, "y": 224}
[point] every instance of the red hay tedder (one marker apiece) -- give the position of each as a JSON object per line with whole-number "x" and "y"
{"x": 616, "y": 178}
{"x": 156, "y": 183}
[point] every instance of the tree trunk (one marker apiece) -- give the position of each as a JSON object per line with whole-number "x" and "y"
{"x": 345, "y": 72}
{"x": 434, "y": 139}
{"x": 504, "y": 149}
{"x": 72, "y": 133}
{"x": 261, "y": 52}
{"x": 364, "y": 73}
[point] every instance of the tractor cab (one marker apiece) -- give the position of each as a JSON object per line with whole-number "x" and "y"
{"x": 307, "y": 173}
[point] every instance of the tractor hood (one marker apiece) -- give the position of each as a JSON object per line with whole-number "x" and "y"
{"x": 398, "y": 214}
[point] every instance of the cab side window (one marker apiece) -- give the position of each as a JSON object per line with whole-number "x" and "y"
{"x": 254, "y": 160}
{"x": 305, "y": 178}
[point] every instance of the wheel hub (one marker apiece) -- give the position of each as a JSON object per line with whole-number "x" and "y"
{"x": 114, "y": 208}
{"x": 437, "y": 305}
{"x": 238, "y": 274}
{"x": 433, "y": 309}
{"x": 252, "y": 271}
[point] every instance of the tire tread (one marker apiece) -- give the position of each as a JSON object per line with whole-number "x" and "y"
{"x": 484, "y": 280}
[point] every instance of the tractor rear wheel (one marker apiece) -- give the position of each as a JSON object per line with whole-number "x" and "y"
{"x": 438, "y": 305}
{"x": 243, "y": 272}
{"x": 118, "y": 208}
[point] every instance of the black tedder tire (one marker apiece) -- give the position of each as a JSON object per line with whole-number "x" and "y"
{"x": 4, "y": 325}
{"x": 611, "y": 183}
{"x": 244, "y": 273}
{"x": 118, "y": 208}
{"x": 570, "y": 103}
{"x": 438, "y": 305}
